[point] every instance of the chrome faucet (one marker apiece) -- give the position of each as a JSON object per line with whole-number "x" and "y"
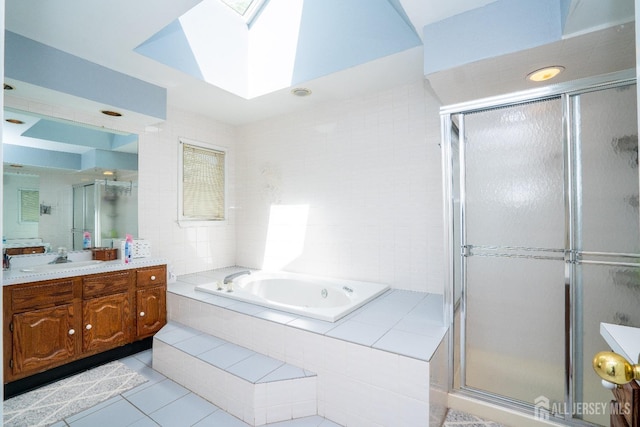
{"x": 228, "y": 279}
{"x": 62, "y": 257}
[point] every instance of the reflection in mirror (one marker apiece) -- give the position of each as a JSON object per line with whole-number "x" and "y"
{"x": 62, "y": 179}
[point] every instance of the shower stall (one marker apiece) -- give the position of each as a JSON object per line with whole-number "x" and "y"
{"x": 541, "y": 201}
{"x": 108, "y": 210}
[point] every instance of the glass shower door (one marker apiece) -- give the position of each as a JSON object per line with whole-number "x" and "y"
{"x": 607, "y": 232}
{"x": 513, "y": 240}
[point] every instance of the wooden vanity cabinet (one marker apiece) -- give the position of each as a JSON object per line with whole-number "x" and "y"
{"x": 106, "y": 311}
{"x": 41, "y": 322}
{"x": 626, "y": 405}
{"x": 151, "y": 300}
{"x": 54, "y": 322}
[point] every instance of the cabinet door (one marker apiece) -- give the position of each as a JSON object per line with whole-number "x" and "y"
{"x": 151, "y": 306}
{"x": 42, "y": 339}
{"x": 106, "y": 322}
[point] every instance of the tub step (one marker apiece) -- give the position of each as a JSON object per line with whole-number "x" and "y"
{"x": 255, "y": 388}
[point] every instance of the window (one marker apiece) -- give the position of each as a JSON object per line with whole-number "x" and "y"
{"x": 202, "y": 183}
{"x": 248, "y": 9}
{"x": 240, "y": 6}
{"x": 29, "y": 205}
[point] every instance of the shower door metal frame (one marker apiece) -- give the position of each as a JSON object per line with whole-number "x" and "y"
{"x": 570, "y": 255}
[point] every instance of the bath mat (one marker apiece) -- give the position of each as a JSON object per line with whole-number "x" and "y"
{"x": 56, "y": 401}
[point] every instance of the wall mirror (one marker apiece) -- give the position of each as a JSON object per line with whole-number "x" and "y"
{"x": 62, "y": 179}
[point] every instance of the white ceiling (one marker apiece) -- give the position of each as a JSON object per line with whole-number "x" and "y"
{"x": 107, "y": 32}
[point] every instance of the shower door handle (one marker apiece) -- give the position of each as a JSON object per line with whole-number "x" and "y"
{"x": 614, "y": 368}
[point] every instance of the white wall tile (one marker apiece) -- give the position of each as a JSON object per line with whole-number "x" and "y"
{"x": 368, "y": 168}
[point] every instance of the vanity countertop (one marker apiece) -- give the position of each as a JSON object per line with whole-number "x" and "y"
{"x": 15, "y": 276}
{"x": 623, "y": 340}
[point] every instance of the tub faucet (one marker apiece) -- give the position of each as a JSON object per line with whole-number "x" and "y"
{"x": 228, "y": 279}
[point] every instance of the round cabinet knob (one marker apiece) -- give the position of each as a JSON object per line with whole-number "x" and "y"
{"x": 72, "y": 331}
{"x": 142, "y": 314}
{"x": 153, "y": 277}
{"x": 88, "y": 327}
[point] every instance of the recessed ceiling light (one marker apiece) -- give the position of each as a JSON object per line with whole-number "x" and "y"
{"x": 8, "y": 87}
{"x": 107, "y": 173}
{"x": 544, "y": 74}
{"x": 301, "y": 91}
{"x": 15, "y": 121}
{"x": 111, "y": 113}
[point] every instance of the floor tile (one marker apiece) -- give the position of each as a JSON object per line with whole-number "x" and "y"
{"x": 221, "y": 419}
{"x": 313, "y": 421}
{"x": 156, "y": 396}
{"x": 186, "y": 411}
{"x": 144, "y": 422}
{"x": 119, "y": 413}
{"x": 145, "y": 357}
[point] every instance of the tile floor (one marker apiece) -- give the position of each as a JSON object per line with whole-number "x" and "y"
{"x": 162, "y": 402}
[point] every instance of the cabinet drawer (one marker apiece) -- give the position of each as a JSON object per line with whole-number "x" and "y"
{"x": 43, "y": 294}
{"x": 103, "y": 284}
{"x": 151, "y": 276}
{"x": 25, "y": 251}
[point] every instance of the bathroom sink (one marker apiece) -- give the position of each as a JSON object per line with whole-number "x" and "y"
{"x": 45, "y": 268}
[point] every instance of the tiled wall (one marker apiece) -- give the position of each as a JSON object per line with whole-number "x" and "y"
{"x": 188, "y": 249}
{"x": 368, "y": 169}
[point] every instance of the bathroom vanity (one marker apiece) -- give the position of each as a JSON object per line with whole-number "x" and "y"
{"x": 54, "y": 321}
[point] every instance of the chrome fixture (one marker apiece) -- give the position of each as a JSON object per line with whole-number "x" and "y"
{"x": 62, "y": 257}
{"x": 614, "y": 368}
{"x": 347, "y": 289}
{"x": 230, "y": 277}
{"x": 6, "y": 261}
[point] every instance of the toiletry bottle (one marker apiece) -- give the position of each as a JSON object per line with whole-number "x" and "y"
{"x": 128, "y": 247}
{"x": 86, "y": 240}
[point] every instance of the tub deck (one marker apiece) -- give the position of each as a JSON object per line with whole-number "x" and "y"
{"x": 407, "y": 323}
{"x": 383, "y": 364}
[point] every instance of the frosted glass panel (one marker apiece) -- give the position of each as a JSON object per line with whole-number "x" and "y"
{"x": 611, "y": 295}
{"x": 514, "y": 176}
{"x": 608, "y": 133}
{"x": 515, "y": 327}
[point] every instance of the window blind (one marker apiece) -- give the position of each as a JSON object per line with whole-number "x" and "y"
{"x": 203, "y": 183}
